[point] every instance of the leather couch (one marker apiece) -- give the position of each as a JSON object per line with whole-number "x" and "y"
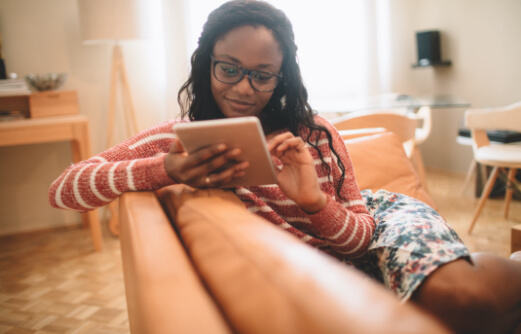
{"x": 196, "y": 261}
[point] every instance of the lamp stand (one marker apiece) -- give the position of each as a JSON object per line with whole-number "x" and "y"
{"x": 119, "y": 75}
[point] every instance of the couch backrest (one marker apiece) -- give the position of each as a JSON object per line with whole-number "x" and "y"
{"x": 380, "y": 162}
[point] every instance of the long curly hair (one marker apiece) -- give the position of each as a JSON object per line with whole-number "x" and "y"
{"x": 288, "y": 107}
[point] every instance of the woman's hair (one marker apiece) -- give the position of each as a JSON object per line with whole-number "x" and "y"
{"x": 288, "y": 107}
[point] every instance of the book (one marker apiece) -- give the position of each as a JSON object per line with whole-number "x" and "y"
{"x": 14, "y": 87}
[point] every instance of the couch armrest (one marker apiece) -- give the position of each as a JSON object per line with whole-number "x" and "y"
{"x": 380, "y": 162}
{"x": 164, "y": 293}
{"x": 265, "y": 280}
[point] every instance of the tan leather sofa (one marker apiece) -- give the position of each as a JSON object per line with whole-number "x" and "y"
{"x": 196, "y": 261}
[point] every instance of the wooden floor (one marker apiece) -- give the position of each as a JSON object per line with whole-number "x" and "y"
{"x": 53, "y": 282}
{"x": 491, "y": 232}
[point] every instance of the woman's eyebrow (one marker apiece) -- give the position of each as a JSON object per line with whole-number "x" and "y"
{"x": 229, "y": 58}
{"x": 238, "y": 62}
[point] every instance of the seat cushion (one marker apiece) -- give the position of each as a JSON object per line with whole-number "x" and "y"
{"x": 503, "y": 155}
{"x": 380, "y": 162}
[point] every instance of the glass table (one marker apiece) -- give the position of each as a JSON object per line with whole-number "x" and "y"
{"x": 386, "y": 101}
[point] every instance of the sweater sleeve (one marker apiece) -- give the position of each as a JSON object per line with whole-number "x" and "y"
{"x": 134, "y": 165}
{"x": 345, "y": 222}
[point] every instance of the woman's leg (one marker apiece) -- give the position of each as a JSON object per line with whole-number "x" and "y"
{"x": 483, "y": 296}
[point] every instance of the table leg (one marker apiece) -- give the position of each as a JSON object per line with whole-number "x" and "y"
{"x": 92, "y": 219}
{"x": 81, "y": 151}
{"x": 114, "y": 217}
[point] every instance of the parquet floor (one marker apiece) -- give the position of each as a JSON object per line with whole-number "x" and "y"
{"x": 491, "y": 232}
{"x": 53, "y": 281}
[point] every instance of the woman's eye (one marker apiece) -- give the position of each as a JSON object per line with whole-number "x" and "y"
{"x": 262, "y": 76}
{"x": 229, "y": 70}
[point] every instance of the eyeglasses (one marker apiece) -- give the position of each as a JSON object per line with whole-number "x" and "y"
{"x": 232, "y": 74}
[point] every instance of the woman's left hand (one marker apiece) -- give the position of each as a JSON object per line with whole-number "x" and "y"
{"x": 297, "y": 178}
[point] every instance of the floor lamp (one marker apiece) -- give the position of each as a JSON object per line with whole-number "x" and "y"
{"x": 113, "y": 21}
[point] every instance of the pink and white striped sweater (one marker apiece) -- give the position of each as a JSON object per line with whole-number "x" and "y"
{"x": 342, "y": 228}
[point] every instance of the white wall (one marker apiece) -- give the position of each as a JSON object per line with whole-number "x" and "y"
{"x": 44, "y": 36}
{"x": 38, "y": 37}
{"x": 481, "y": 37}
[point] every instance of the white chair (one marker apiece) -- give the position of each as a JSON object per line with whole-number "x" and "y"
{"x": 472, "y": 171}
{"x": 403, "y": 125}
{"x": 504, "y": 156}
{"x": 424, "y": 115}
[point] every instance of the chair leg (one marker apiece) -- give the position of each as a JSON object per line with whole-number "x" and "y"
{"x": 510, "y": 189}
{"x": 470, "y": 173}
{"x": 417, "y": 161}
{"x": 483, "y": 172}
{"x": 484, "y": 196}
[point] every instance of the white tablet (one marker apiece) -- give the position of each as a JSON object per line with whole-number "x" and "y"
{"x": 243, "y": 132}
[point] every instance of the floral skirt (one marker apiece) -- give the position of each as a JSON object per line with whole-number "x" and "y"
{"x": 410, "y": 242}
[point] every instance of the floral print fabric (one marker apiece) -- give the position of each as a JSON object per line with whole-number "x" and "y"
{"x": 410, "y": 242}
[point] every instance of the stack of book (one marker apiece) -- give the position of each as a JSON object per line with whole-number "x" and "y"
{"x": 14, "y": 87}
{"x": 14, "y": 96}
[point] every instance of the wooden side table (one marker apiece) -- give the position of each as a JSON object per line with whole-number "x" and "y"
{"x": 73, "y": 128}
{"x": 515, "y": 234}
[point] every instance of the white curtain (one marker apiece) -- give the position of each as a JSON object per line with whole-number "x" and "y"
{"x": 343, "y": 46}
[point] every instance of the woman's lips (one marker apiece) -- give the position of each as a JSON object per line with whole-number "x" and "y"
{"x": 239, "y": 105}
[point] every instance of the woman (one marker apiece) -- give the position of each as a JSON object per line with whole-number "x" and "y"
{"x": 245, "y": 65}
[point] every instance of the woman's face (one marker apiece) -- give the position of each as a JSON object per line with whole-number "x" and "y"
{"x": 252, "y": 48}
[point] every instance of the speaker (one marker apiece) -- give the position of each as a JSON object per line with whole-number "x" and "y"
{"x": 429, "y": 51}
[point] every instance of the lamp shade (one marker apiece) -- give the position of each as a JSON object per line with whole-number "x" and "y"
{"x": 112, "y": 20}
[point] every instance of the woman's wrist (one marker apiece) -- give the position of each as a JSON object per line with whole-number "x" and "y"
{"x": 315, "y": 206}
{"x": 168, "y": 168}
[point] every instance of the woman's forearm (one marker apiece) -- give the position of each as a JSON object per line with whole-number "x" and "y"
{"x": 94, "y": 183}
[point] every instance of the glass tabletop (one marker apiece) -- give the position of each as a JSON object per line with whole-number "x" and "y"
{"x": 387, "y": 101}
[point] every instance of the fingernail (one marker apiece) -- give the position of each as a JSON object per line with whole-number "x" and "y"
{"x": 221, "y": 147}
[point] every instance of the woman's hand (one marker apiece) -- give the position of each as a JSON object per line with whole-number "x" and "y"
{"x": 297, "y": 178}
{"x": 208, "y": 167}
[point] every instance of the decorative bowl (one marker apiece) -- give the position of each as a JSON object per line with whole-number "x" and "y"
{"x": 47, "y": 81}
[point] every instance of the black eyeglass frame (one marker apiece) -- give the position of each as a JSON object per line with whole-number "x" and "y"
{"x": 243, "y": 73}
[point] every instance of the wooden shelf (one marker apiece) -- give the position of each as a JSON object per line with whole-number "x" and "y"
{"x": 444, "y": 63}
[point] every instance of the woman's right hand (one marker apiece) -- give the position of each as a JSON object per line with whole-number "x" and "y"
{"x": 211, "y": 166}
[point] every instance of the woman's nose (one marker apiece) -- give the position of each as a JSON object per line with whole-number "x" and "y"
{"x": 244, "y": 87}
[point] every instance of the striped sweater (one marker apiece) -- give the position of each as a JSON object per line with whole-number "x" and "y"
{"x": 343, "y": 228}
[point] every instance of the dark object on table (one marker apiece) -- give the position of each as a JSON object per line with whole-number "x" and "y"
{"x": 500, "y": 136}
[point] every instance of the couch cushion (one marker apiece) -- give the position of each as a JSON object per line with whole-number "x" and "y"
{"x": 266, "y": 280}
{"x": 380, "y": 162}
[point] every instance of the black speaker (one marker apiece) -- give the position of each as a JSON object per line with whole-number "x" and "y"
{"x": 3, "y": 74}
{"x": 429, "y": 51}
